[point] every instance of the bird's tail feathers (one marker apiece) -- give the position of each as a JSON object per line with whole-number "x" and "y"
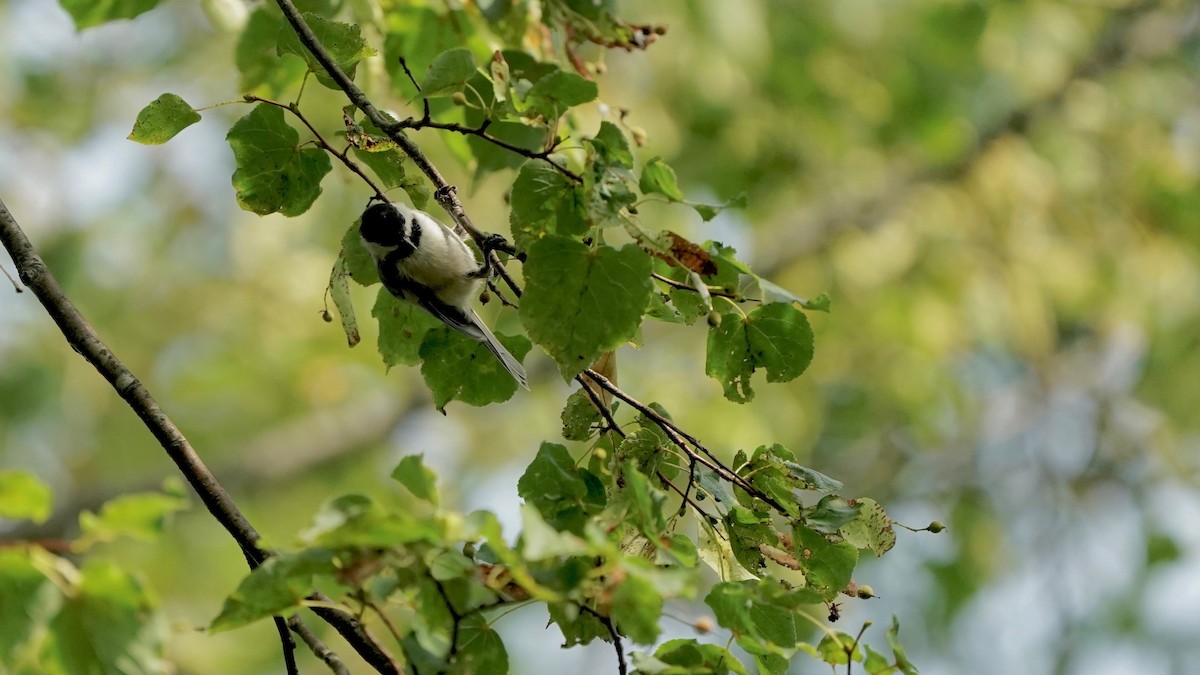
{"x": 510, "y": 362}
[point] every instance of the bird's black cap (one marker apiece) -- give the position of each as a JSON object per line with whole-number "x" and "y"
{"x": 382, "y": 224}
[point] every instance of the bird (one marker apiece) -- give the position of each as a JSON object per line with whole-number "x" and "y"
{"x": 423, "y": 262}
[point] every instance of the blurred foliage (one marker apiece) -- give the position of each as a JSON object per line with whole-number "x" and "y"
{"x": 1001, "y": 199}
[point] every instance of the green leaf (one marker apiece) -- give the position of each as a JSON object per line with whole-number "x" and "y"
{"x": 747, "y": 531}
{"x": 688, "y": 657}
{"x": 274, "y": 174}
{"x": 775, "y": 337}
{"x": 412, "y": 473}
{"x": 563, "y": 493}
{"x": 29, "y": 599}
{"x": 643, "y": 503}
{"x": 580, "y": 302}
{"x": 872, "y": 529}
{"x": 611, "y": 146}
{"x": 682, "y": 548}
{"x": 659, "y": 178}
{"x": 578, "y": 627}
{"x": 448, "y": 72}
{"x": 636, "y": 606}
{"x": 339, "y": 292}
{"x": 761, "y": 613}
{"x": 257, "y": 55}
{"x": 142, "y": 516}
{"x": 554, "y": 94}
{"x": 644, "y": 449}
{"x": 490, "y": 157}
{"x": 433, "y": 623}
{"x": 356, "y": 521}
{"x": 876, "y": 663}
{"x": 88, "y": 13}
{"x": 23, "y": 496}
{"x": 343, "y": 42}
{"x": 826, "y": 565}
{"x": 458, "y": 368}
{"x": 276, "y": 587}
{"x": 480, "y": 649}
{"x": 483, "y": 524}
{"x": 106, "y": 625}
{"x": 831, "y": 513}
{"x": 838, "y": 649}
{"x": 893, "y": 637}
{"x": 544, "y": 201}
{"x": 708, "y": 212}
{"x": 402, "y": 329}
{"x": 774, "y": 293}
{"x": 164, "y": 117}
{"x": 541, "y": 541}
{"x": 388, "y": 166}
{"x": 807, "y": 479}
{"x": 579, "y": 416}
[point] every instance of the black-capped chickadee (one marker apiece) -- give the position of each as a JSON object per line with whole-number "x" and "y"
{"x": 422, "y": 261}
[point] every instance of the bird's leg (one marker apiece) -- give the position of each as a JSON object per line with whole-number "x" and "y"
{"x": 490, "y": 243}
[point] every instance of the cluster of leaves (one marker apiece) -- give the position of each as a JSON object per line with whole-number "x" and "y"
{"x": 613, "y": 534}
{"x": 96, "y": 617}
{"x": 599, "y": 547}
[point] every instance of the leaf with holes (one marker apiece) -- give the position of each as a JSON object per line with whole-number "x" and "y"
{"x": 775, "y": 337}
{"x": 274, "y": 174}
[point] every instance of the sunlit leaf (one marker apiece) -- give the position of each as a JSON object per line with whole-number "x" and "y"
{"x": 142, "y": 516}
{"x": 105, "y": 626}
{"x": 412, "y": 473}
{"x": 23, "y": 496}
{"x": 275, "y": 587}
{"x": 659, "y": 178}
{"x": 91, "y": 13}
{"x": 164, "y": 117}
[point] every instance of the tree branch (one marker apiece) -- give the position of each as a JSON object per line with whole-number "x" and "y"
{"x": 696, "y": 451}
{"x": 83, "y": 339}
{"x": 394, "y": 130}
{"x": 318, "y": 648}
{"x": 426, "y": 122}
{"x": 612, "y": 631}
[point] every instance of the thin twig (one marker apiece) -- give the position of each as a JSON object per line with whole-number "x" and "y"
{"x": 600, "y": 407}
{"x": 317, "y": 647}
{"x": 688, "y": 443}
{"x": 616, "y": 637}
{"x": 426, "y": 122}
{"x": 688, "y": 287}
{"x": 11, "y": 280}
{"x": 481, "y": 132}
{"x": 83, "y": 339}
{"x": 454, "y": 615}
{"x": 424, "y": 100}
{"x": 289, "y": 646}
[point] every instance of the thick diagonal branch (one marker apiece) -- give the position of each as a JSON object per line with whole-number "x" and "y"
{"x": 84, "y": 340}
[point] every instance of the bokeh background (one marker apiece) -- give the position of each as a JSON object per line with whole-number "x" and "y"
{"x": 1001, "y": 198}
